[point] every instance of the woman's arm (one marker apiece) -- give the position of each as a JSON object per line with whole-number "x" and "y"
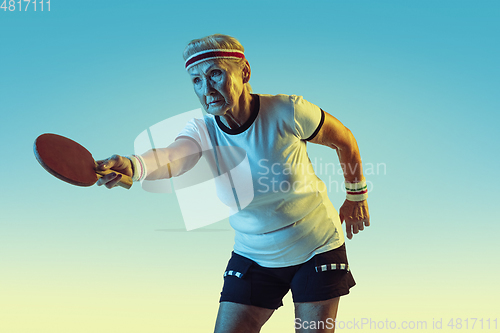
{"x": 178, "y": 158}
{"x": 174, "y": 160}
{"x": 335, "y": 135}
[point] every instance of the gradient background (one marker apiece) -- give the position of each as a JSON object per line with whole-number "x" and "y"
{"x": 417, "y": 82}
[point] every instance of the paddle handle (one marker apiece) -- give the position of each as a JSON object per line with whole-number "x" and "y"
{"x": 125, "y": 182}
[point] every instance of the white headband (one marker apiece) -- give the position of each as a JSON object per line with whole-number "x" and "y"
{"x": 201, "y": 56}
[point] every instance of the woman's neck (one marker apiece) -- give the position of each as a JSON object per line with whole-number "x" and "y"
{"x": 238, "y": 115}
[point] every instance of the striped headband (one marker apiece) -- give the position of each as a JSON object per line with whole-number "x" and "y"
{"x": 201, "y": 56}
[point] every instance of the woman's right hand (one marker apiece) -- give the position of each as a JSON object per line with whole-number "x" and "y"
{"x": 116, "y": 163}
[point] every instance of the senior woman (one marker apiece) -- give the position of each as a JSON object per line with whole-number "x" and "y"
{"x": 284, "y": 240}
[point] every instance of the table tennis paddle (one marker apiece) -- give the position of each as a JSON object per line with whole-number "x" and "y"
{"x": 70, "y": 161}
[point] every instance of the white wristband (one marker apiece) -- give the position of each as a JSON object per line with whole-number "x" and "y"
{"x": 356, "y": 191}
{"x": 139, "y": 167}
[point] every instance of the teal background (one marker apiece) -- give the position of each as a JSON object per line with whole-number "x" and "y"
{"x": 417, "y": 82}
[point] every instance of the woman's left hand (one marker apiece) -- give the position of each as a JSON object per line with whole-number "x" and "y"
{"x": 356, "y": 216}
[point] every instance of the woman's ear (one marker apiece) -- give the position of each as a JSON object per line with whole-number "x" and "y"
{"x": 246, "y": 72}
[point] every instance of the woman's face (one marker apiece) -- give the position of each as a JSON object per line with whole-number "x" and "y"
{"x": 218, "y": 86}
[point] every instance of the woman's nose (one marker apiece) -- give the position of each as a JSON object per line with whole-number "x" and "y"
{"x": 208, "y": 89}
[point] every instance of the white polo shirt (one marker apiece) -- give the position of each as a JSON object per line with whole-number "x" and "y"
{"x": 290, "y": 218}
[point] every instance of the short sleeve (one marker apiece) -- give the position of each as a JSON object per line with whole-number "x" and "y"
{"x": 193, "y": 131}
{"x": 308, "y": 118}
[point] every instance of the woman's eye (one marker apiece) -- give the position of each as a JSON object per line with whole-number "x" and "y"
{"x": 216, "y": 72}
{"x": 196, "y": 80}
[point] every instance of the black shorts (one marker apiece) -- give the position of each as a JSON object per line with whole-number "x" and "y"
{"x": 324, "y": 276}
